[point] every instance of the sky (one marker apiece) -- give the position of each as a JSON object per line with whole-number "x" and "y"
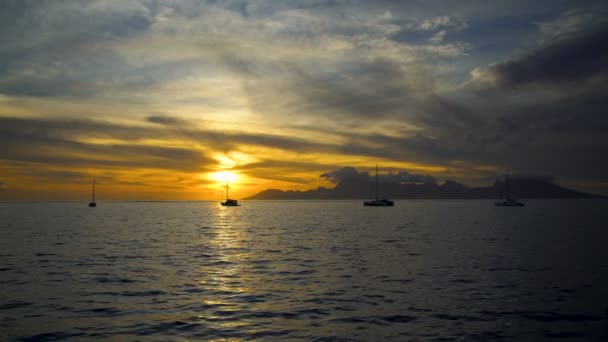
{"x": 166, "y": 100}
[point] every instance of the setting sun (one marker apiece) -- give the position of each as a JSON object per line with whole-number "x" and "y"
{"x": 303, "y": 170}
{"x": 224, "y": 176}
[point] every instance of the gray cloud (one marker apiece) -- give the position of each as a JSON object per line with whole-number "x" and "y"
{"x": 45, "y": 175}
{"x": 57, "y": 142}
{"x": 349, "y": 174}
{"x": 402, "y": 177}
{"x": 61, "y": 48}
{"x": 349, "y": 69}
{"x": 165, "y": 120}
{"x": 529, "y": 176}
{"x": 345, "y": 174}
{"x": 268, "y": 165}
{"x": 571, "y": 56}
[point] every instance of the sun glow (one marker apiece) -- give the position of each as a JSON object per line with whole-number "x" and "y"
{"x": 224, "y": 176}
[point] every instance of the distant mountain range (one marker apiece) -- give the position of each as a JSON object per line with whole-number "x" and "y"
{"x": 519, "y": 188}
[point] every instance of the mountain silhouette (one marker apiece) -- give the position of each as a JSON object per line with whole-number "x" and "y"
{"x": 363, "y": 189}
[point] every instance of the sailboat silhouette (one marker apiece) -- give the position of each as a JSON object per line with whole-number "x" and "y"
{"x": 229, "y": 202}
{"x": 92, "y": 203}
{"x": 509, "y": 201}
{"x": 378, "y": 202}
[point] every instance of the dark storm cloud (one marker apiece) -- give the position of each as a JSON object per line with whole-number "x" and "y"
{"x": 345, "y": 67}
{"x": 545, "y": 112}
{"x": 350, "y": 174}
{"x": 402, "y": 177}
{"x": 574, "y": 118}
{"x": 576, "y": 57}
{"x": 562, "y": 135}
{"x": 419, "y": 148}
{"x": 531, "y": 176}
{"x": 566, "y": 108}
{"x": 345, "y": 174}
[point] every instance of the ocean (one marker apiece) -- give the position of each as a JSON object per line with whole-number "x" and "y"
{"x": 428, "y": 270}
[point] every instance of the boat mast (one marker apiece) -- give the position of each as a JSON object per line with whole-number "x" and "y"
{"x": 507, "y": 184}
{"x": 93, "y": 190}
{"x": 376, "y": 182}
{"x": 227, "y": 190}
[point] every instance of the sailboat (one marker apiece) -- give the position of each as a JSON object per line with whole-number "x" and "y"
{"x": 378, "y": 202}
{"x": 229, "y": 202}
{"x": 93, "y": 204}
{"x": 509, "y": 201}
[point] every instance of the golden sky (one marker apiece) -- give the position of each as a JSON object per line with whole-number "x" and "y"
{"x": 155, "y": 99}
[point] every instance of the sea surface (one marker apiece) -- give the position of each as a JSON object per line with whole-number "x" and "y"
{"x": 427, "y": 270}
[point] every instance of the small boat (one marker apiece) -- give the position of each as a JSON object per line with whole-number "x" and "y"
{"x": 229, "y": 202}
{"x": 509, "y": 201}
{"x": 378, "y": 202}
{"x": 93, "y": 204}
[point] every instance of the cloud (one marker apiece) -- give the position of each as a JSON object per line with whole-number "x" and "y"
{"x": 309, "y": 79}
{"x": 349, "y": 92}
{"x": 55, "y": 142}
{"x": 570, "y": 52}
{"x": 345, "y": 174}
{"x": 165, "y": 120}
{"x": 402, "y": 177}
{"x": 66, "y": 142}
{"x": 49, "y": 175}
{"x": 62, "y": 48}
{"x": 529, "y": 176}
{"x": 441, "y": 23}
{"x": 349, "y": 174}
{"x": 568, "y": 26}
{"x": 117, "y": 53}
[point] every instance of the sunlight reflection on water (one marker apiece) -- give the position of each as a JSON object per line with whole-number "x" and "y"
{"x": 303, "y": 270}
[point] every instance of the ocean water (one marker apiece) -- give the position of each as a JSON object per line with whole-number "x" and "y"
{"x": 423, "y": 270}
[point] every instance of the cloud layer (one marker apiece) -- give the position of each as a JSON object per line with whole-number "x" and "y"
{"x": 153, "y": 92}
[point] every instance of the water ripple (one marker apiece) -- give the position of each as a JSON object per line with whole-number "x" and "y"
{"x": 308, "y": 271}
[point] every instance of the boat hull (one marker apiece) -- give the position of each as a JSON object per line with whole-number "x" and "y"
{"x": 508, "y": 204}
{"x": 379, "y": 203}
{"x": 92, "y": 205}
{"x": 230, "y": 203}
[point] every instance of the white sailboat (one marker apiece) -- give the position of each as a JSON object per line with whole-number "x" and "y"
{"x": 378, "y": 202}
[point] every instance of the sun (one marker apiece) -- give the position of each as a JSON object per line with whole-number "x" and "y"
{"x": 224, "y": 176}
